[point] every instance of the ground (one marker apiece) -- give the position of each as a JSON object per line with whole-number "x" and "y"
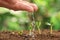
{"x": 45, "y": 35}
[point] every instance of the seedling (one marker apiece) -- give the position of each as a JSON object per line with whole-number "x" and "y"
{"x": 38, "y": 24}
{"x": 30, "y": 29}
{"x": 21, "y": 32}
{"x": 50, "y": 27}
{"x": 32, "y": 24}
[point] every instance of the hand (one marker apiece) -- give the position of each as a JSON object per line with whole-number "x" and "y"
{"x": 18, "y": 5}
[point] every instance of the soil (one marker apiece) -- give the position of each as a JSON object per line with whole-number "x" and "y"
{"x": 45, "y": 35}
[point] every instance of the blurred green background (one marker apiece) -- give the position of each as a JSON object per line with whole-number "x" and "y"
{"x": 48, "y": 12}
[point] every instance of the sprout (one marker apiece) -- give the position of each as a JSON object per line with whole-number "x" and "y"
{"x": 30, "y": 29}
{"x": 50, "y": 27}
{"x": 38, "y": 24}
{"x": 21, "y": 32}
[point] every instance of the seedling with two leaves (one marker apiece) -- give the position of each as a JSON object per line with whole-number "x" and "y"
{"x": 50, "y": 27}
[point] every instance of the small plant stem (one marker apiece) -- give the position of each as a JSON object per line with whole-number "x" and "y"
{"x": 51, "y": 30}
{"x": 33, "y": 23}
{"x": 38, "y": 26}
{"x": 39, "y": 31}
{"x": 30, "y": 31}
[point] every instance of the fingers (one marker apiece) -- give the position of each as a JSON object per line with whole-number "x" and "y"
{"x": 19, "y": 5}
{"x": 24, "y": 6}
{"x": 34, "y": 6}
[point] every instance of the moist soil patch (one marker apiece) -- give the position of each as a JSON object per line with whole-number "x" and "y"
{"x": 45, "y": 35}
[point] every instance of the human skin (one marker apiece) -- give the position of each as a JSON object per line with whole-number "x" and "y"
{"x": 18, "y": 5}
